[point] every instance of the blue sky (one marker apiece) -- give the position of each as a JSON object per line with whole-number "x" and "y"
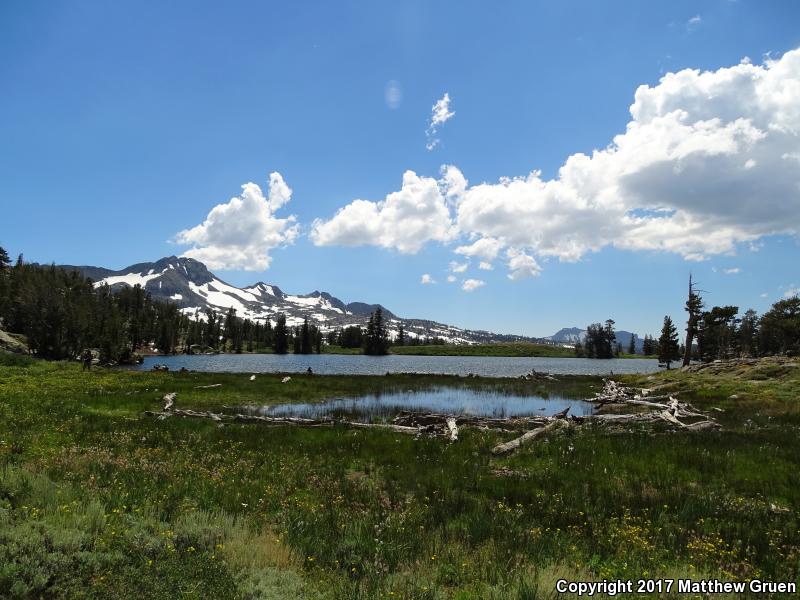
{"x": 122, "y": 125}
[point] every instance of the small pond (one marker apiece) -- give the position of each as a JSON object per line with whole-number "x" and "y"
{"x": 443, "y": 399}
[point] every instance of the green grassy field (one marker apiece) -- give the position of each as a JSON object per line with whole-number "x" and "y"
{"x": 99, "y": 501}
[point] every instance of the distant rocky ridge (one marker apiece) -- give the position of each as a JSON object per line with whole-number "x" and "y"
{"x": 572, "y": 335}
{"x": 193, "y": 288}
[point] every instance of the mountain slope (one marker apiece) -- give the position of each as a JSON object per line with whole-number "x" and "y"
{"x": 571, "y": 335}
{"x": 193, "y": 288}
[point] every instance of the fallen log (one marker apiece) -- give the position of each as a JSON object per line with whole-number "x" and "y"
{"x": 207, "y": 387}
{"x": 387, "y": 426}
{"x": 507, "y": 424}
{"x": 702, "y": 425}
{"x": 526, "y": 438}
{"x": 615, "y": 418}
{"x": 448, "y": 425}
{"x": 291, "y": 421}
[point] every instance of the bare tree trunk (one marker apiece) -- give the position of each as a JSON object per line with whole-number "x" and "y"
{"x": 693, "y": 306}
{"x": 527, "y": 437}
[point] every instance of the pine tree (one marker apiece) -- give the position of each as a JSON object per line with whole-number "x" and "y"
{"x": 647, "y": 345}
{"x": 716, "y": 333}
{"x": 377, "y": 338}
{"x": 609, "y": 339}
{"x": 280, "y": 336}
{"x": 5, "y": 283}
{"x": 694, "y": 306}
{"x": 748, "y": 330}
{"x": 268, "y": 335}
{"x": 317, "y": 337}
{"x": 668, "y": 343}
{"x": 228, "y": 329}
{"x": 779, "y": 331}
{"x": 369, "y": 338}
{"x": 297, "y": 341}
{"x": 401, "y": 335}
{"x": 305, "y": 338}
{"x": 632, "y": 344}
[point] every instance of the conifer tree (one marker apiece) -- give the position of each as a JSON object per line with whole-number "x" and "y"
{"x": 632, "y": 344}
{"x": 280, "y": 336}
{"x": 668, "y": 343}
{"x": 228, "y": 328}
{"x": 377, "y": 338}
{"x": 779, "y": 330}
{"x": 305, "y": 338}
{"x": 297, "y": 341}
{"x": 694, "y": 307}
{"x": 268, "y": 334}
{"x": 317, "y": 338}
{"x": 748, "y": 329}
{"x": 5, "y": 282}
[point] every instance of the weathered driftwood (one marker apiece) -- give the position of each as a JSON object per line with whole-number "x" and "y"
{"x": 207, "y": 387}
{"x": 671, "y": 412}
{"x": 527, "y": 438}
{"x": 448, "y": 425}
{"x": 290, "y": 421}
{"x": 537, "y": 376}
{"x": 452, "y": 428}
{"x": 387, "y": 426}
{"x": 435, "y": 419}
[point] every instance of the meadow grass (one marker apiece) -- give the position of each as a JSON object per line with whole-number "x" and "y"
{"x": 99, "y": 501}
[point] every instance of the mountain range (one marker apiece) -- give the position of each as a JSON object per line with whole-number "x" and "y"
{"x": 571, "y": 335}
{"x": 193, "y": 288}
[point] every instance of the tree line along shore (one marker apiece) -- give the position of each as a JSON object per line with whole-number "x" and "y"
{"x": 59, "y": 314}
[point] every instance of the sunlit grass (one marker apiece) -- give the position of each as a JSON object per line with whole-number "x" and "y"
{"x": 96, "y": 496}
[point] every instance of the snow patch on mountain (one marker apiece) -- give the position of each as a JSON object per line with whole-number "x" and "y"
{"x": 130, "y": 279}
{"x": 194, "y": 289}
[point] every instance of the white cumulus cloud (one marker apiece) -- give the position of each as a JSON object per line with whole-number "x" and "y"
{"x": 708, "y": 161}
{"x": 458, "y": 267}
{"x": 472, "y": 284}
{"x": 485, "y": 266}
{"x": 451, "y": 279}
{"x": 521, "y": 265}
{"x": 485, "y": 248}
{"x": 440, "y": 114}
{"x": 426, "y": 279}
{"x": 241, "y": 233}
{"x": 732, "y": 271}
{"x": 404, "y": 220}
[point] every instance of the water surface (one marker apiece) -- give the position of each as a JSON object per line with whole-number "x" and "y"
{"x": 358, "y": 364}
{"x": 441, "y": 399}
